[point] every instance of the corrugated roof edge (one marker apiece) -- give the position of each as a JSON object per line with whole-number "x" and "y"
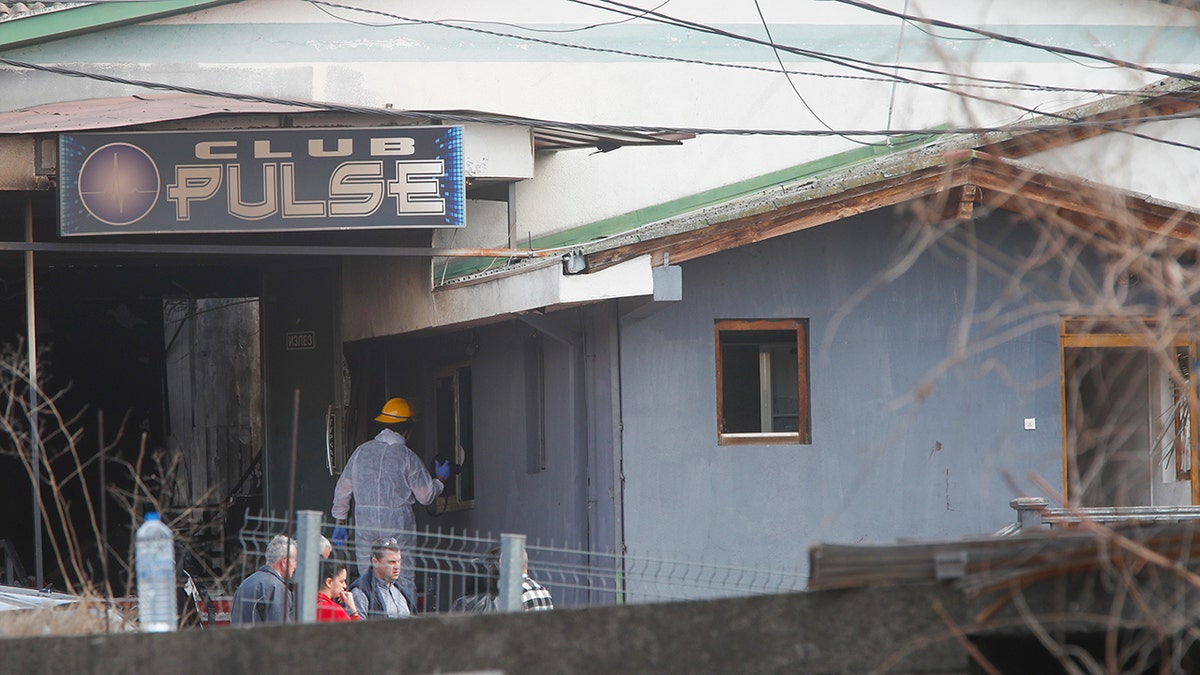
{"x": 464, "y": 269}
{"x": 10, "y": 11}
{"x": 661, "y": 219}
{"x": 81, "y": 18}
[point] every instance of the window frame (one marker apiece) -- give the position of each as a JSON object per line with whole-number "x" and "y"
{"x": 803, "y": 436}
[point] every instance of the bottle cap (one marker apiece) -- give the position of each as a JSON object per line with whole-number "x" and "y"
{"x": 153, "y": 515}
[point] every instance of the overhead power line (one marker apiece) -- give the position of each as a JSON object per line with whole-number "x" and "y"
{"x": 973, "y": 81}
{"x": 1066, "y": 51}
{"x": 404, "y": 22}
{"x": 846, "y": 61}
{"x": 795, "y": 89}
{"x": 483, "y": 118}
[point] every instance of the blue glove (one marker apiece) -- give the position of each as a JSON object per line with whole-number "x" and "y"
{"x": 339, "y": 536}
{"x": 442, "y": 469}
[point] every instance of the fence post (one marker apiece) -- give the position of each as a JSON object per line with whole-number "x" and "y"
{"x": 308, "y": 561}
{"x": 1029, "y": 512}
{"x": 512, "y": 568}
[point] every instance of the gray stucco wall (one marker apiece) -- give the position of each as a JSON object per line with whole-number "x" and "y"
{"x": 567, "y": 503}
{"x": 888, "y": 459}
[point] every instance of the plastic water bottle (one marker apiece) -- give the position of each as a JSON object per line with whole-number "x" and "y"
{"x": 154, "y": 553}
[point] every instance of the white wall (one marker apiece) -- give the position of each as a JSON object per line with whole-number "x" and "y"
{"x": 290, "y": 48}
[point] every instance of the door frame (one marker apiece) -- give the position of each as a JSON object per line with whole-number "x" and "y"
{"x": 1145, "y": 332}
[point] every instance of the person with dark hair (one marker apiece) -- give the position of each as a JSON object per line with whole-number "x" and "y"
{"x": 481, "y": 586}
{"x": 377, "y": 593}
{"x": 385, "y": 477}
{"x": 334, "y": 602}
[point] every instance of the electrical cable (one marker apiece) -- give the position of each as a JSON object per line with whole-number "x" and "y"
{"x": 848, "y": 62}
{"x": 817, "y": 55}
{"x": 767, "y": 30}
{"x": 994, "y": 82}
{"x": 662, "y": 18}
{"x": 1109, "y": 125}
{"x": 1067, "y": 51}
{"x": 482, "y": 22}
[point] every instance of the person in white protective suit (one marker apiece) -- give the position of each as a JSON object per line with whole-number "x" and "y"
{"x": 385, "y": 477}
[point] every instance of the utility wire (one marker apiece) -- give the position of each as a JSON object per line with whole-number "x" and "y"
{"x": 404, "y": 22}
{"x": 851, "y": 63}
{"x": 783, "y": 68}
{"x": 844, "y": 61}
{"x": 1108, "y": 125}
{"x": 1066, "y": 51}
{"x": 992, "y": 83}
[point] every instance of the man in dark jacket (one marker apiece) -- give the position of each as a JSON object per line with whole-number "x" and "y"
{"x": 264, "y": 597}
{"x": 376, "y": 594}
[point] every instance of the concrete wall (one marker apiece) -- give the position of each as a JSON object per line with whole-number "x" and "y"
{"x": 908, "y": 438}
{"x": 920, "y": 627}
{"x": 835, "y": 632}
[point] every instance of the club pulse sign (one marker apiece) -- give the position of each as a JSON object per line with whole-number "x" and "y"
{"x": 263, "y": 180}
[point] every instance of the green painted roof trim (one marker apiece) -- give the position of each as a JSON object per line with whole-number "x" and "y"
{"x": 39, "y": 28}
{"x": 459, "y": 267}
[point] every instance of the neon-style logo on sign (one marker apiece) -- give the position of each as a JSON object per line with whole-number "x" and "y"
{"x": 118, "y": 184}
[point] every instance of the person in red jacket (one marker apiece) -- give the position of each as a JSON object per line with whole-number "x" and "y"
{"x": 334, "y": 602}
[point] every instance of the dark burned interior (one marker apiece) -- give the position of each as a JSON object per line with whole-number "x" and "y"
{"x": 107, "y": 351}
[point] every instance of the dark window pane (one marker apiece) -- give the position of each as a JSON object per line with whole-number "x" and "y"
{"x": 444, "y": 402}
{"x": 740, "y": 390}
{"x": 465, "y": 436}
{"x": 785, "y": 401}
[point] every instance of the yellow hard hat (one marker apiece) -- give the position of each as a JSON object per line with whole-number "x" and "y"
{"x": 395, "y": 410}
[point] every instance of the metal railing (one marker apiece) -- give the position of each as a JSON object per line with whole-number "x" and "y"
{"x": 1035, "y": 513}
{"x": 450, "y": 567}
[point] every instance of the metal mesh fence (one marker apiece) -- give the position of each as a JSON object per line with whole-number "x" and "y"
{"x": 459, "y": 571}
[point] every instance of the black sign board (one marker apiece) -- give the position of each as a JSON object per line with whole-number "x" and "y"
{"x": 260, "y": 180}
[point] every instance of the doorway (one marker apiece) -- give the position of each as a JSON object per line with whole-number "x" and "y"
{"x": 214, "y": 431}
{"x": 1129, "y": 435}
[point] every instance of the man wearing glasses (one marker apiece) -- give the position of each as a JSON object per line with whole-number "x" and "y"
{"x": 376, "y": 594}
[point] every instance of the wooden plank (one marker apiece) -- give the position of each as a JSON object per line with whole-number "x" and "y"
{"x": 788, "y": 219}
{"x": 994, "y": 562}
{"x": 999, "y": 183}
{"x": 1168, "y": 103}
{"x": 1015, "y": 189}
{"x": 1114, "y": 340}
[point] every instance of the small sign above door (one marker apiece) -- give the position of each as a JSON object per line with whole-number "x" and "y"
{"x": 302, "y": 340}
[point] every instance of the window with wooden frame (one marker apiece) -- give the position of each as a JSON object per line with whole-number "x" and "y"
{"x": 455, "y": 439}
{"x": 1172, "y": 419}
{"x": 762, "y": 382}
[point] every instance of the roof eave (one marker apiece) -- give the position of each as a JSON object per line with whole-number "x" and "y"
{"x": 46, "y": 27}
{"x": 998, "y": 183}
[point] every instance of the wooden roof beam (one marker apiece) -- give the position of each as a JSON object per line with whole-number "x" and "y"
{"x": 789, "y": 218}
{"x": 1032, "y": 142}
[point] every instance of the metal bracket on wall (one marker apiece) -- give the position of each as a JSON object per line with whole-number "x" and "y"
{"x": 668, "y": 289}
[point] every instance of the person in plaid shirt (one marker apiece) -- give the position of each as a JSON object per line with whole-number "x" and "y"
{"x": 534, "y": 596}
